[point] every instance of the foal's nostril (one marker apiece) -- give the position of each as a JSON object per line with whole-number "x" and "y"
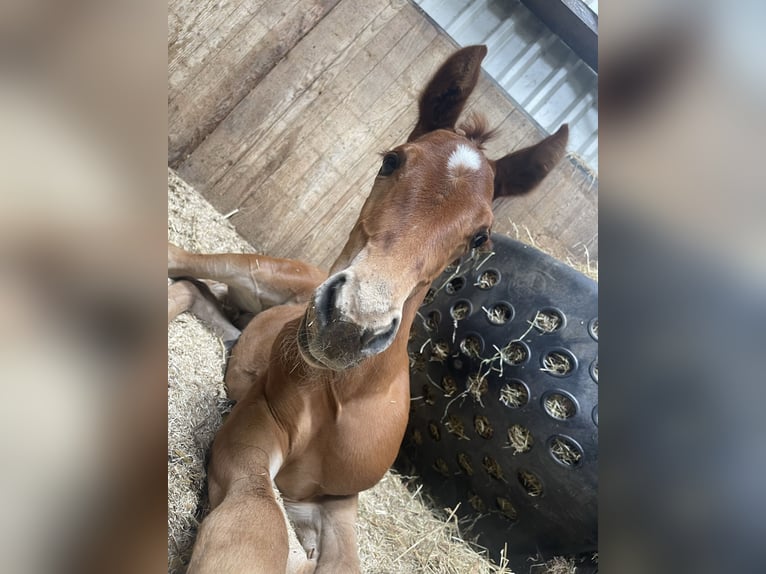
{"x": 327, "y": 298}
{"x": 374, "y": 342}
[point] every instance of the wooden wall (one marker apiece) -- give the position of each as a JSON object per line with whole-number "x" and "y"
{"x": 279, "y": 108}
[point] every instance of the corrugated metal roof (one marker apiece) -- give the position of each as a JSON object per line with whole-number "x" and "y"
{"x": 541, "y": 73}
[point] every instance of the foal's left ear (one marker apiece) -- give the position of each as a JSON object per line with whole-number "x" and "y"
{"x": 447, "y": 92}
{"x": 521, "y": 171}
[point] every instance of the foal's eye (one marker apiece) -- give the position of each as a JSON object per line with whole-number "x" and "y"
{"x": 479, "y": 239}
{"x": 390, "y": 163}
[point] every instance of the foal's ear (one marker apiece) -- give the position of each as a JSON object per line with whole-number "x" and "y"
{"x": 449, "y": 88}
{"x": 520, "y": 172}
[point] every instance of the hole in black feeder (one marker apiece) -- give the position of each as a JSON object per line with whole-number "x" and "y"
{"x": 488, "y": 279}
{"x": 454, "y": 285}
{"x": 593, "y": 328}
{"x": 565, "y": 451}
{"x": 549, "y": 320}
{"x": 417, "y": 362}
{"x": 499, "y": 313}
{"x": 530, "y": 483}
{"x": 477, "y": 387}
{"x": 493, "y": 468}
{"x": 432, "y": 321}
{"x": 452, "y": 267}
{"x": 416, "y": 437}
{"x": 433, "y": 430}
{"x": 559, "y": 406}
{"x": 449, "y": 385}
{"x": 514, "y": 394}
{"x": 476, "y": 502}
{"x": 595, "y": 415}
{"x": 441, "y": 466}
{"x": 429, "y": 397}
{"x": 559, "y": 363}
{"x": 472, "y": 346}
{"x": 506, "y": 508}
{"x": 483, "y": 426}
{"x": 455, "y": 426}
{"x": 439, "y": 351}
{"x": 460, "y": 310}
{"x": 515, "y": 353}
{"x": 594, "y": 370}
{"x": 520, "y": 439}
{"x": 464, "y": 462}
{"x": 429, "y": 298}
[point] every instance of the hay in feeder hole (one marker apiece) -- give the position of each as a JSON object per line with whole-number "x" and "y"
{"x": 520, "y": 439}
{"x": 477, "y": 387}
{"x": 455, "y": 426}
{"x": 460, "y": 310}
{"x": 594, "y": 370}
{"x": 506, "y": 508}
{"x": 417, "y": 437}
{"x": 429, "y": 298}
{"x": 471, "y": 346}
{"x": 452, "y": 267}
{"x": 559, "y": 406}
{"x": 498, "y": 314}
{"x": 530, "y": 483}
{"x": 439, "y": 351}
{"x": 417, "y": 362}
{"x": 454, "y": 285}
{"x": 449, "y": 385}
{"x": 565, "y": 451}
{"x": 557, "y": 363}
{"x": 429, "y": 397}
{"x": 594, "y": 328}
{"x": 514, "y": 353}
{"x": 514, "y": 395}
{"x": 488, "y": 279}
{"x": 559, "y": 565}
{"x": 476, "y": 502}
{"x": 433, "y": 430}
{"x": 493, "y": 468}
{"x": 548, "y": 321}
{"x": 441, "y": 466}
{"x": 432, "y": 321}
{"x": 464, "y": 462}
{"x": 483, "y": 426}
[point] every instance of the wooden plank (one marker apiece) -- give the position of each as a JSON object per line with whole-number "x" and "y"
{"x": 263, "y": 129}
{"x": 201, "y": 36}
{"x": 229, "y": 76}
{"x": 341, "y": 139}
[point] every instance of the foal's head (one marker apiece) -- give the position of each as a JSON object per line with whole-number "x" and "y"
{"x": 431, "y": 202}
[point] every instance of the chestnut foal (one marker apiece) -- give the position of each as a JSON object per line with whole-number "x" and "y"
{"x": 320, "y": 374}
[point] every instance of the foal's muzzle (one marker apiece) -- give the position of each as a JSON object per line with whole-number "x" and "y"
{"x": 335, "y": 334}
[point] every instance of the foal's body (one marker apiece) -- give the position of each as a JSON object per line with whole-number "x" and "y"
{"x": 320, "y": 374}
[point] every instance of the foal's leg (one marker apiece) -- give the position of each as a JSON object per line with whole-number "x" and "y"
{"x": 327, "y": 531}
{"x": 185, "y": 295}
{"x": 245, "y": 534}
{"x": 256, "y": 282}
{"x": 246, "y": 530}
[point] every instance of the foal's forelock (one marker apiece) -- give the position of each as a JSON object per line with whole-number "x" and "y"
{"x": 476, "y": 128}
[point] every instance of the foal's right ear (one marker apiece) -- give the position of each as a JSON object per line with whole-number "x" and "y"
{"x": 447, "y": 92}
